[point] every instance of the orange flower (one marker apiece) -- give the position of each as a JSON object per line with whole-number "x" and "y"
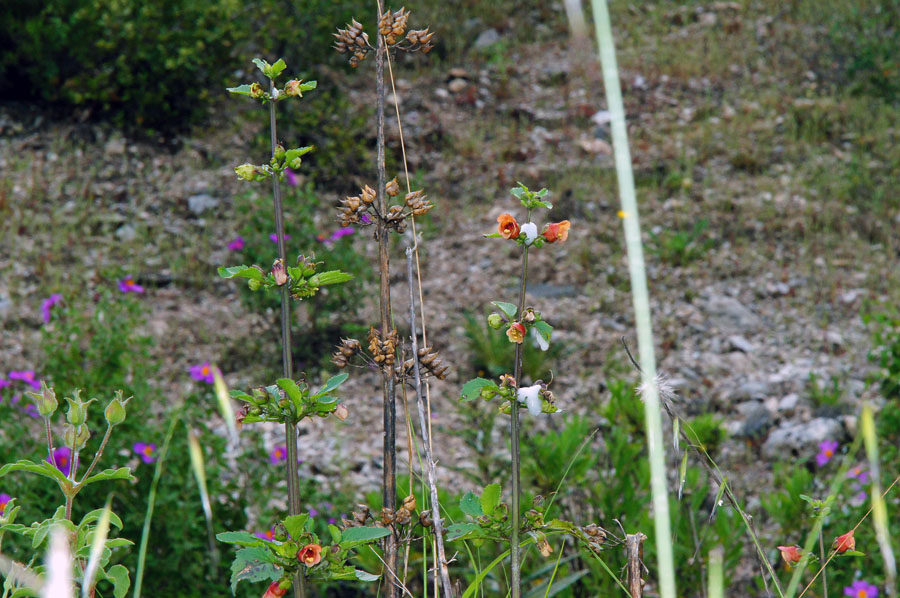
{"x": 516, "y": 333}
{"x": 310, "y": 555}
{"x": 844, "y": 543}
{"x": 790, "y": 554}
{"x": 275, "y": 590}
{"x": 557, "y": 231}
{"x": 508, "y": 227}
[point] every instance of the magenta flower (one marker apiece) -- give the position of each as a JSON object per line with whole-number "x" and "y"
{"x": 291, "y": 177}
{"x": 278, "y": 455}
{"x": 48, "y": 304}
{"x": 62, "y": 460}
{"x": 4, "y": 500}
{"x": 146, "y": 451}
{"x": 32, "y": 411}
{"x": 313, "y": 512}
{"x": 861, "y": 589}
{"x": 127, "y": 285}
{"x": 827, "y": 449}
{"x": 26, "y": 376}
{"x": 274, "y": 238}
{"x": 237, "y": 244}
{"x": 268, "y": 535}
{"x": 202, "y": 373}
{"x": 859, "y": 473}
{"x": 4, "y": 382}
{"x": 365, "y": 218}
{"x": 342, "y": 232}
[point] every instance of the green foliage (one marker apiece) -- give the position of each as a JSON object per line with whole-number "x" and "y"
{"x": 146, "y": 65}
{"x": 491, "y": 353}
{"x": 886, "y": 350}
{"x": 823, "y": 394}
{"x": 680, "y": 248}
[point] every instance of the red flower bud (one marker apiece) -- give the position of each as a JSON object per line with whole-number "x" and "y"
{"x": 275, "y": 590}
{"x": 844, "y": 543}
{"x": 557, "y": 231}
{"x": 508, "y": 227}
{"x": 310, "y": 555}
{"x": 791, "y": 554}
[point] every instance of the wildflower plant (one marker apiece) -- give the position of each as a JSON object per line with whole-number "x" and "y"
{"x": 89, "y": 544}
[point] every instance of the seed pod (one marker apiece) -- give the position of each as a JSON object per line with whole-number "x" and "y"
{"x": 367, "y": 195}
{"x": 387, "y": 516}
{"x": 392, "y": 188}
{"x": 401, "y": 517}
{"x": 425, "y": 519}
{"x": 409, "y": 503}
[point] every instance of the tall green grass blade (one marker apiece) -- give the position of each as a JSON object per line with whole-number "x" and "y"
{"x": 197, "y": 464}
{"x": 224, "y": 400}
{"x": 716, "y": 586}
{"x": 879, "y": 508}
{"x": 665, "y": 558}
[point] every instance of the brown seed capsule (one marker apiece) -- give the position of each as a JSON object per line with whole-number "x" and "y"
{"x": 409, "y": 503}
{"x": 392, "y": 188}
{"x": 387, "y": 516}
{"x": 402, "y": 517}
{"x": 425, "y": 519}
{"x": 367, "y": 195}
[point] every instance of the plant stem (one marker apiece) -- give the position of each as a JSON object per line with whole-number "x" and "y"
{"x": 49, "y": 441}
{"x": 634, "y": 551}
{"x": 98, "y": 454}
{"x": 389, "y": 494}
{"x": 515, "y": 552}
{"x": 426, "y": 438}
{"x": 290, "y": 427}
{"x": 822, "y": 560}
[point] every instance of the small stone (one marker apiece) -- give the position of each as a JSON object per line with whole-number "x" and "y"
{"x": 800, "y": 438}
{"x": 729, "y": 314}
{"x": 750, "y": 390}
{"x": 757, "y": 422}
{"x": 201, "y": 202}
{"x": 739, "y": 343}
{"x": 441, "y": 93}
{"x": 594, "y": 146}
{"x": 788, "y": 403}
{"x": 126, "y": 233}
{"x": 5, "y": 307}
{"x": 850, "y": 297}
{"x": 486, "y": 38}
{"x": 457, "y": 85}
{"x": 458, "y": 73}
{"x": 834, "y": 339}
{"x": 115, "y": 146}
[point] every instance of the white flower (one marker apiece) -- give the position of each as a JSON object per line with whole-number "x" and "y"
{"x": 531, "y": 396}
{"x": 530, "y": 230}
{"x": 540, "y": 340}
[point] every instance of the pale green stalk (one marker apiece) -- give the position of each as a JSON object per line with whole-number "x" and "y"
{"x": 879, "y": 509}
{"x": 716, "y": 587}
{"x": 97, "y": 546}
{"x": 665, "y": 560}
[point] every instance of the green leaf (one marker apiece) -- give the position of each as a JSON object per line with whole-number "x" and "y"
{"x": 117, "y": 575}
{"x": 853, "y": 553}
{"x": 243, "y": 90}
{"x": 40, "y": 534}
{"x": 95, "y": 516}
{"x": 253, "y": 564}
{"x": 122, "y": 473}
{"x": 43, "y": 469}
{"x": 335, "y": 532}
{"x": 558, "y": 586}
{"x": 490, "y": 498}
{"x": 508, "y": 308}
{"x": 295, "y": 524}
{"x": 456, "y": 531}
{"x": 250, "y": 272}
{"x": 357, "y": 536}
{"x": 307, "y": 86}
{"x": 366, "y": 576}
{"x": 470, "y": 505}
{"x": 239, "y": 538}
{"x": 332, "y": 383}
{"x": 277, "y": 68}
{"x": 472, "y": 389}
{"x": 290, "y": 387}
{"x": 330, "y": 277}
{"x": 292, "y": 154}
{"x": 263, "y": 66}
{"x": 118, "y": 542}
{"x": 544, "y": 329}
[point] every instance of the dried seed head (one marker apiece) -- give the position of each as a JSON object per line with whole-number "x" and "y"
{"x": 401, "y": 517}
{"x": 392, "y": 188}
{"x": 367, "y": 195}
{"x": 409, "y": 503}
{"x": 425, "y": 519}
{"x": 387, "y": 516}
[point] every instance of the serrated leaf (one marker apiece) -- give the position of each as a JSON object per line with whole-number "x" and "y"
{"x": 356, "y": 536}
{"x": 470, "y": 505}
{"x": 455, "y": 531}
{"x": 366, "y": 576}
{"x": 243, "y": 90}
{"x": 122, "y": 473}
{"x": 490, "y": 498}
{"x": 239, "y": 538}
{"x": 117, "y": 575}
{"x": 331, "y": 277}
{"x": 250, "y": 272}
{"x": 472, "y": 389}
{"x": 331, "y": 384}
{"x": 277, "y": 68}
{"x": 508, "y": 308}
{"x": 295, "y": 524}
{"x": 253, "y": 564}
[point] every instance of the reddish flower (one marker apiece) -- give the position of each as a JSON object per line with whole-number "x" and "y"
{"x": 275, "y": 590}
{"x": 516, "y": 333}
{"x": 557, "y": 231}
{"x": 791, "y": 554}
{"x": 508, "y": 227}
{"x": 310, "y": 555}
{"x": 844, "y": 543}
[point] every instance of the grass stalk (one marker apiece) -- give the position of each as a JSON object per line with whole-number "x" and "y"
{"x": 641, "y": 301}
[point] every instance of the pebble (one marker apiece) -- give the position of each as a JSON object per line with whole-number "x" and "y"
{"x": 457, "y": 85}
{"x": 729, "y": 314}
{"x": 487, "y": 38}
{"x": 126, "y": 233}
{"x": 739, "y": 343}
{"x": 201, "y": 202}
{"x": 800, "y": 438}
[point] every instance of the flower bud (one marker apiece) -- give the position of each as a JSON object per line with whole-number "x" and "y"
{"x": 496, "y": 321}
{"x": 791, "y": 554}
{"x": 246, "y": 171}
{"x": 279, "y": 272}
{"x": 115, "y": 411}
{"x": 544, "y": 547}
{"x": 256, "y": 91}
{"x": 45, "y": 401}
{"x": 292, "y": 88}
{"x": 409, "y": 503}
{"x": 275, "y": 590}
{"x": 275, "y": 93}
{"x": 341, "y": 412}
{"x": 844, "y": 543}
{"x": 529, "y": 316}
{"x": 279, "y": 151}
{"x": 77, "y": 413}
{"x": 76, "y": 436}
{"x": 254, "y": 284}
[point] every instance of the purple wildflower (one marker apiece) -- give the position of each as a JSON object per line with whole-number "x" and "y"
{"x": 62, "y": 459}
{"x": 146, "y": 450}
{"x": 274, "y": 238}
{"x": 48, "y": 304}
{"x": 827, "y": 449}
{"x": 859, "y": 473}
{"x": 237, "y": 244}
{"x": 365, "y": 218}
{"x": 26, "y": 376}
{"x": 313, "y": 512}
{"x": 202, "y": 373}
{"x": 332, "y": 520}
{"x": 4, "y": 382}
{"x": 32, "y": 411}
{"x": 268, "y": 535}
{"x": 4, "y": 500}
{"x": 342, "y": 232}
{"x": 278, "y": 454}
{"x": 291, "y": 177}
{"x": 127, "y": 285}
{"x": 861, "y": 589}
